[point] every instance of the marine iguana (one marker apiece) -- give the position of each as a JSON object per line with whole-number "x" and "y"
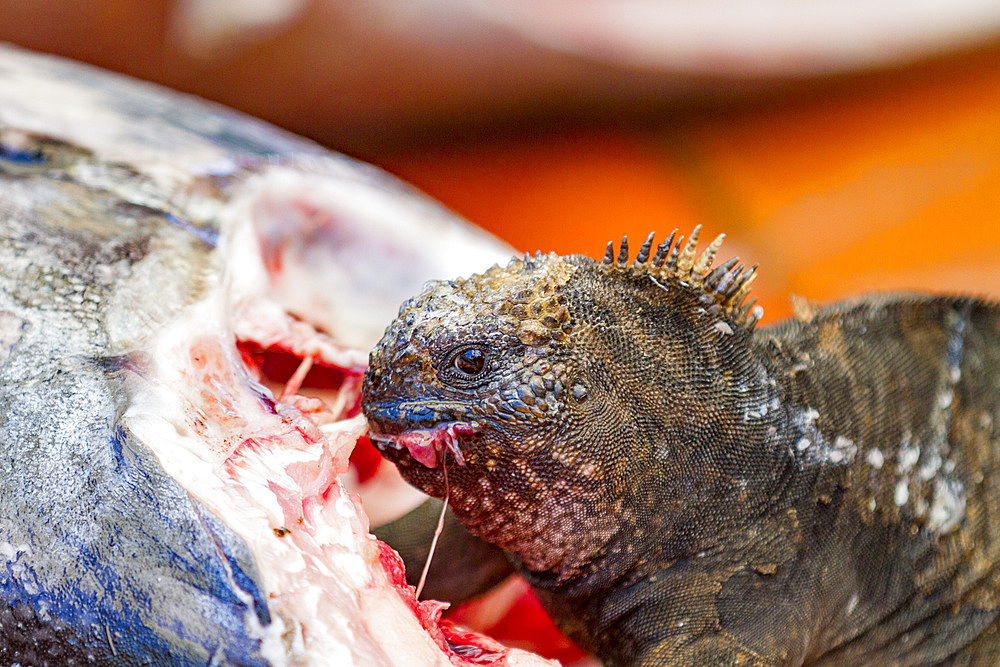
{"x": 682, "y": 488}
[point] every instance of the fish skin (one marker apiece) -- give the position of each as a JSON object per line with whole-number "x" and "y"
{"x": 63, "y": 391}
{"x": 118, "y": 206}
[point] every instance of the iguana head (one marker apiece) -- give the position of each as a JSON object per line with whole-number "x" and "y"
{"x": 551, "y": 380}
{"x": 474, "y": 370}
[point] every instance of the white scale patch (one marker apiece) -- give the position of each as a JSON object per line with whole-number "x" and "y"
{"x": 723, "y": 328}
{"x": 852, "y": 604}
{"x": 875, "y": 458}
{"x": 816, "y": 446}
{"x": 843, "y": 449}
{"x": 947, "y": 506}
{"x": 924, "y": 469}
{"x": 902, "y": 494}
{"x": 915, "y": 468}
{"x": 908, "y": 453}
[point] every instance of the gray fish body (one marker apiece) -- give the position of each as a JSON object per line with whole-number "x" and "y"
{"x": 92, "y": 527}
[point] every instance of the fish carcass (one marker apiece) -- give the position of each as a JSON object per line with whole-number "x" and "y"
{"x": 159, "y": 502}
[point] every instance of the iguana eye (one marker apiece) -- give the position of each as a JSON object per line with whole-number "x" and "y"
{"x": 470, "y": 361}
{"x": 465, "y": 366}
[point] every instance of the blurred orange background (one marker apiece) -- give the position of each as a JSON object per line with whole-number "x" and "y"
{"x": 836, "y": 185}
{"x": 885, "y": 183}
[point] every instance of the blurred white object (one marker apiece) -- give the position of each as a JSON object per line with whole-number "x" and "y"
{"x": 733, "y": 36}
{"x": 729, "y": 37}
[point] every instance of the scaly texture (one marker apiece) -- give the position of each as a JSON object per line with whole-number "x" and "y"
{"x": 682, "y": 489}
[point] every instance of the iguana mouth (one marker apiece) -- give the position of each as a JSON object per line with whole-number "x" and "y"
{"x": 397, "y": 416}
{"x": 426, "y": 444}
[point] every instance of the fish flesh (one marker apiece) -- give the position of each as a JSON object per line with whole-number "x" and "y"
{"x": 162, "y": 500}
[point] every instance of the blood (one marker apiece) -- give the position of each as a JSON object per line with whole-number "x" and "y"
{"x": 525, "y": 624}
{"x": 464, "y": 647}
{"x": 365, "y": 459}
{"x": 298, "y": 377}
{"x": 277, "y": 368}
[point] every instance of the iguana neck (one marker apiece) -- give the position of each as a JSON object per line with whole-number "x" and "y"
{"x": 679, "y": 457}
{"x": 801, "y": 423}
{"x": 802, "y": 474}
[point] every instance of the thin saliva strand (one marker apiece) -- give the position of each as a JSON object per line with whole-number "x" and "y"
{"x": 438, "y": 530}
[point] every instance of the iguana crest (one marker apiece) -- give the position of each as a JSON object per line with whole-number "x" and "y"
{"x": 725, "y": 287}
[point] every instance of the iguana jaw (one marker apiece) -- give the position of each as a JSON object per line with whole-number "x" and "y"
{"x": 427, "y": 444}
{"x": 422, "y": 429}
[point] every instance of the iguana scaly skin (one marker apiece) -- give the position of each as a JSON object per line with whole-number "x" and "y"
{"x": 680, "y": 488}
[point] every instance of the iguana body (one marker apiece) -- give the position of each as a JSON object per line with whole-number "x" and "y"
{"x": 682, "y": 489}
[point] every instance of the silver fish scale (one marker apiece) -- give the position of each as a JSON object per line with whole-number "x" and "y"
{"x": 103, "y": 556}
{"x": 68, "y": 257}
